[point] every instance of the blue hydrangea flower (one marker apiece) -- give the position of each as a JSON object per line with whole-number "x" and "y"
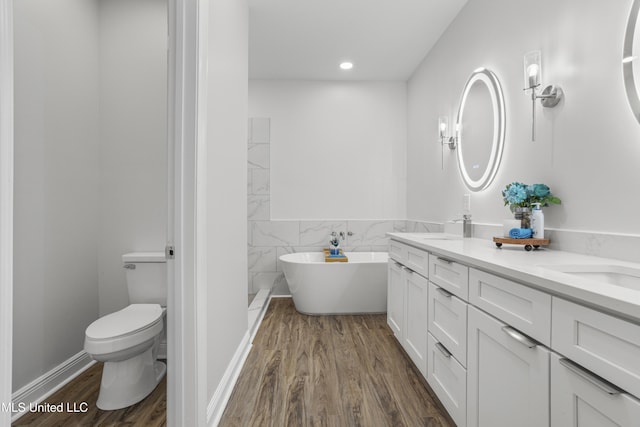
{"x": 539, "y": 190}
{"x": 515, "y": 193}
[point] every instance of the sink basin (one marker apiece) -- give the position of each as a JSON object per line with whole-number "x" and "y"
{"x": 626, "y": 277}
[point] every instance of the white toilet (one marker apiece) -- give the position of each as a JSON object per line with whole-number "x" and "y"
{"x": 127, "y": 340}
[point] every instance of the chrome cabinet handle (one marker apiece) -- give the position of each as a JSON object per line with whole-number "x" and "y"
{"x": 130, "y": 266}
{"x": 444, "y": 292}
{"x": 407, "y": 269}
{"x": 443, "y": 350}
{"x": 589, "y": 376}
{"x": 445, "y": 260}
{"x": 521, "y": 338}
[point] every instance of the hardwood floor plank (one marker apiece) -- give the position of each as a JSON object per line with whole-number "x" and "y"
{"x": 84, "y": 389}
{"x": 329, "y": 371}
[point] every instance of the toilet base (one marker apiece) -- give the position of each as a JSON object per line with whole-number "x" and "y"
{"x": 129, "y": 381}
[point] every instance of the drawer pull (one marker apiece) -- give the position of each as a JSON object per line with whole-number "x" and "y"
{"x": 407, "y": 269}
{"x": 592, "y": 378}
{"x": 444, "y": 292}
{"x": 445, "y": 260}
{"x": 521, "y": 338}
{"x": 443, "y": 350}
{"x": 398, "y": 264}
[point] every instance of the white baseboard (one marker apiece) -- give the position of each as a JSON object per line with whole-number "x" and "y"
{"x": 218, "y": 402}
{"x": 50, "y": 382}
{"x": 221, "y": 397}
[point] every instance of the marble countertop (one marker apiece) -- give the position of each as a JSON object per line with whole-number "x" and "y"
{"x": 513, "y": 262}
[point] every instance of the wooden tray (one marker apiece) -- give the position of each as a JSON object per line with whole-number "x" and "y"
{"x": 327, "y": 257}
{"x": 529, "y": 244}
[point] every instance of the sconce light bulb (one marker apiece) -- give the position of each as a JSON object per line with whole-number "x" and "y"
{"x": 533, "y": 72}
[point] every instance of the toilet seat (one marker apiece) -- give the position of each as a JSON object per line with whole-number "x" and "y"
{"x": 124, "y": 329}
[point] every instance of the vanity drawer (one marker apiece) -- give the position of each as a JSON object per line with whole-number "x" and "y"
{"x": 450, "y": 275}
{"x": 448, "y": 380}
{"x": 522, "y": 307}
{"x": 578, "y": 396}
{"x": 448, "y": 321}
{"x": 397, "y": 251}
{"x": 415, "y": 259}
{"x": 605, "y": 345}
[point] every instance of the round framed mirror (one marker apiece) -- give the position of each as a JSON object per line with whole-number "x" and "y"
{"x": 630, "y": 55}
{"x": 480, "y": 129}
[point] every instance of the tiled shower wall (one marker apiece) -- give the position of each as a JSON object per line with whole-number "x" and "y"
{"x": 269, "y": 239}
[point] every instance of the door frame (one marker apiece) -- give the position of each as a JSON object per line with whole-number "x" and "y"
{"x": 6, "y": 207}
{"x": 186, "y": 382}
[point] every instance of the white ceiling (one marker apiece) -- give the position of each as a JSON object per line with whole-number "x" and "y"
{"x": 307, "y": 39}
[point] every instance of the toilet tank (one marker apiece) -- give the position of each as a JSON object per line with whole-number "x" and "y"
{"x": 146, "y": 274}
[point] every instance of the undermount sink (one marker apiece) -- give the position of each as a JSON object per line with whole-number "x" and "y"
{"x": 626, "y": 277}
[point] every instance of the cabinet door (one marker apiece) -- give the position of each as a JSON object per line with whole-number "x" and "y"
{"x": 395, "y": 299}
{"x": 581, "y": 399}
{"x": 508, "y": 376}
{"x": 416, "y": 305}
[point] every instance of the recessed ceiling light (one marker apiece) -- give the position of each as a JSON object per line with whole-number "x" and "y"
{"x": 346, "y": 65}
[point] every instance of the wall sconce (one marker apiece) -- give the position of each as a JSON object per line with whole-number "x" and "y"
{"x": 443, "y": 128}
{"x": 550, "y": 96}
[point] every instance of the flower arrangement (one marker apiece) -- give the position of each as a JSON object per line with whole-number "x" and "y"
{"x": 519, "y": 195}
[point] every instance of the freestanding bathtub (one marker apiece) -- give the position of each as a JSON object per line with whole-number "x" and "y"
{"x": 354, "y": 287}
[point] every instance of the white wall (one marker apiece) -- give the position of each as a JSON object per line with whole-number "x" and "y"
{"x": 90, "y": 164}
{"x": 133, "y": 148}
{"x": 226, "y": 185}
{"x": 337, "y": 148}
{"x": 587, "y": 149}
{"x": 56, "y": 182}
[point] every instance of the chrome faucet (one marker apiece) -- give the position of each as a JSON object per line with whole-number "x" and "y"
{"x": 466, "y": 225}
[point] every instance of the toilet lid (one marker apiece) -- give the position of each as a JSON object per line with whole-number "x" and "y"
{"x": 124, "y": 322}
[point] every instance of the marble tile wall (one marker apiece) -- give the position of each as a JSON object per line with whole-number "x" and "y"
{"x": 269, "y": 239}
{"x": 620, "y": 246}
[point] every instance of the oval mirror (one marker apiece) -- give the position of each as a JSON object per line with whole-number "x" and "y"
{"x": 630, "y": 54}
{"x": 480, "y": 128}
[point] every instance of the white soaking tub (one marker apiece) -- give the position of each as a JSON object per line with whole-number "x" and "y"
{"x": 354, "y": 287}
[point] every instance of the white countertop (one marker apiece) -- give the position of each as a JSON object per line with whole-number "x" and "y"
{"x": 513, "y": 262}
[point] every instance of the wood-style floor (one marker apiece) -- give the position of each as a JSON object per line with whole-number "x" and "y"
{"x": 151, "y": 412}
{"x": 328, "y": 371}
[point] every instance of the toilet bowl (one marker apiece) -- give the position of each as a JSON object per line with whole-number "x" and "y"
{"x": 127, "y": 340}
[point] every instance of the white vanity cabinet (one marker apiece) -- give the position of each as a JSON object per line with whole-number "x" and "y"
{"x": 448, "y": 380}
{"x": 407, "y": 301}
{"x": 499, "y": 350}
{"x": 415, "y": 337}
{"x": 395, "y": 298}
{"x": 580, "y": 398}
{"x": 507, "y": 375}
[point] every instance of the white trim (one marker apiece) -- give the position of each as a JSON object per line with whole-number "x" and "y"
{"x": 50, "y": 382}
{"x": 220, "y": 398}
{"x": 257, "y": 309}
{"x": 6, "y": 204}
{"x": 186, "y": 385}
